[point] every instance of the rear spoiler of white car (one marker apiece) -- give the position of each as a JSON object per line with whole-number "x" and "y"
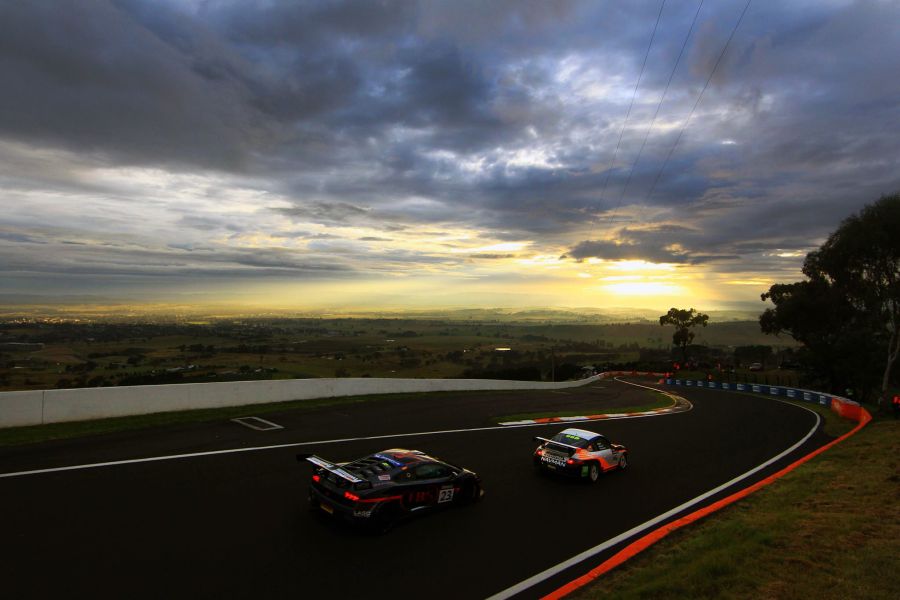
{"x": 328, "y": 466}
{"x": 555, "y": 443}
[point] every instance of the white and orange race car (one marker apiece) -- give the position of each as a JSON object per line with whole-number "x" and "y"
{"x": 579, "y": 453}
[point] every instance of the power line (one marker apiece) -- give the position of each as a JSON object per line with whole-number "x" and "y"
{"x": 713, "y": 72}
{"x": 662, "y": 98}
{"x": 633, "y": 95}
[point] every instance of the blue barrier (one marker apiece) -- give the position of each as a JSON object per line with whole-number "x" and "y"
{"x": 757, "y": 388}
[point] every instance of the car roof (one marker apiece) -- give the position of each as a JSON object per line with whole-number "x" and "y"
{"x": 388, "y": 462}
{"x": 582, "y": 433}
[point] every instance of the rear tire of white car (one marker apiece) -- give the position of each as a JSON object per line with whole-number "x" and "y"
{"x": 594, "y": 473}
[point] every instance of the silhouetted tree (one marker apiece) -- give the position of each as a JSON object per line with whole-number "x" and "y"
{"x": 851, "y": 301}
{"x": 683, "y": 320}
{"x": 816, "y": 314}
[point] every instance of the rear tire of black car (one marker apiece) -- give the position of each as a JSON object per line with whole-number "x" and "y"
{"x": 594, "y": 473}
{"x": 384, "y": 519}
{"x": 475, "y": 493}
{"x": 470, "y": 493}
{"x": 313, "y": 504}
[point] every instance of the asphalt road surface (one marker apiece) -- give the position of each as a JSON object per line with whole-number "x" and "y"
{"x": 218, "y": 523}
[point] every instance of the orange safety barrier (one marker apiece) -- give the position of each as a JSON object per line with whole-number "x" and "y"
{"x": 847, "y": 410}
{"x": 862, "y": 416}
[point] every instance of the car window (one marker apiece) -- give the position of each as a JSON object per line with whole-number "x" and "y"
{"x": 570, "y": 440}
{"x": 601, "y": 444}
{"x": 402, "y": 476}
{"x": 431, "y": 471}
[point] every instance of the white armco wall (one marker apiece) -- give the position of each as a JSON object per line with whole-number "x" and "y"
{"x": 57, "y": 406}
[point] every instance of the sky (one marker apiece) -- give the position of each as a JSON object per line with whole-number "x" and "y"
{"x": 336, "y": 155}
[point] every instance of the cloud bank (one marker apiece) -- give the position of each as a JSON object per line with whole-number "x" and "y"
{"x": 146, "y": 144}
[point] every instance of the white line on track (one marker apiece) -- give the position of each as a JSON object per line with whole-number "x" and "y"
{"x": 634, "y": 531}
{"x": 291, "y": 445}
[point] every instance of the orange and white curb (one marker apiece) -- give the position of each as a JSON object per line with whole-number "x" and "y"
{"x": 679, "y": 404}
{"x": 626, "y": 415}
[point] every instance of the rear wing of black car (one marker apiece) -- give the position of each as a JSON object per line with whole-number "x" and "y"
{"x": 330, "y": 467}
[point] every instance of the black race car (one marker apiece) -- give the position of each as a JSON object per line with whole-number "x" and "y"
{"x": 579, "y": 453}
{"x": 383, "y": 488}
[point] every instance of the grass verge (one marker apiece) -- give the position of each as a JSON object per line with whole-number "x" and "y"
{"x": 660, "y": 401}
{"x": 828, "y": 530}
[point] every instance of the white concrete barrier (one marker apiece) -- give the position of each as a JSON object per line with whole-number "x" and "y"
{"x": 82, "y": 404}
{"x": 21, "y": 408}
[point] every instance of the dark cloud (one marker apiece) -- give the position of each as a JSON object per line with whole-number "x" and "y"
{"x": 502, "y": 118}
{"x": 88, "y": 76}
{"x": 19, "y": 238}
{"x": 490, "y": 256}
{"x": 176, "y": 262}
{"x": 326, "y": 213}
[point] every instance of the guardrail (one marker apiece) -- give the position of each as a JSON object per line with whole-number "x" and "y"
{"x": 81, "y": 404}
{"x": 844, "y": 407}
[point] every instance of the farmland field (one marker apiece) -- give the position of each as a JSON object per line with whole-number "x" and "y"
{"x": 58, "y": 353}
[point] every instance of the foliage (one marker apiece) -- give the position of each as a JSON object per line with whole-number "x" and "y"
{"x": 683, "y": 320}
{"x": 847, "y": 313}
{"x": 750, "y": 354}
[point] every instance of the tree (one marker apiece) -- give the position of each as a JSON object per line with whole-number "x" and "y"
{"x": 840, "y": 353}
{"x": 683, "y": 320}
{"x": 853, "y": 291}
{"x": 750, "y": 354}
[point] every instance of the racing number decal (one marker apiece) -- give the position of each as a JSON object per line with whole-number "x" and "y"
{"x": 445, "y": 495}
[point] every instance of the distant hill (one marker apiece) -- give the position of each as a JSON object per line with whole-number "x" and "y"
{"x": 100, "y": 307}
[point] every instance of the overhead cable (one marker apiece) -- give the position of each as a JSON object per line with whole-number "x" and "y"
{"x": 688, "y": 120}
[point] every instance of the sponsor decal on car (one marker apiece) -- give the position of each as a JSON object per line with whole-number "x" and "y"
{"x": 389, "y": 460}
{"x": 363, "y": 514}
{"x": 554, "y": 460}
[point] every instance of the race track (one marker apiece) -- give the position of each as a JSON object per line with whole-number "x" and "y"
{"x": 235, "y": 525}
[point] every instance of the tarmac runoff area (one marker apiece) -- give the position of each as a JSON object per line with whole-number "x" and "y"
{"x": 218, "y": 509}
